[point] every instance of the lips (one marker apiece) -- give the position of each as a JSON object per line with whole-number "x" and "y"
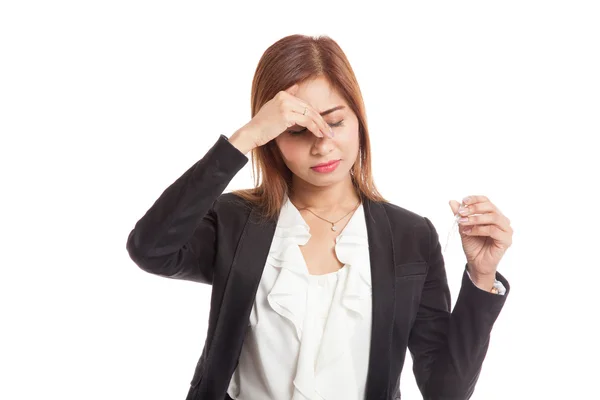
{"x": 325, "y": 164}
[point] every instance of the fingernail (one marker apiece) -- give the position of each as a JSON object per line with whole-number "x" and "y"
{"x": 331, "y": 134}
{"x": 466, "y": 200}
{"x": 463, "y": 210}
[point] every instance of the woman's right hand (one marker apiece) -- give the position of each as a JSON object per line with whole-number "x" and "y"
{"x": 283, "y": 111}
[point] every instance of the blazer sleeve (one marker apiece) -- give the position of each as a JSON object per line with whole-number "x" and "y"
{"x": 448, "y": 348}
{"x": 176, "y": 237}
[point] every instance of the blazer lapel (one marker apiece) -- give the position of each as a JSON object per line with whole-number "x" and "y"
{"x": 238, "y": 299}
{"x": 249, "y": 263}
{"x": 381, "y": 252}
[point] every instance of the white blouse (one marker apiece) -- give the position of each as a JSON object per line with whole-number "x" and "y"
{"x": 309, "y": 335}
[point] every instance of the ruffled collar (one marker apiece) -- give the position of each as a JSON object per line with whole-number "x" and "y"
{"x": 291, "y": 223}
{"x": 351, "y": 302}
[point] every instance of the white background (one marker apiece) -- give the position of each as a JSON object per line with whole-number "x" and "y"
{"x": 104, "y": 104}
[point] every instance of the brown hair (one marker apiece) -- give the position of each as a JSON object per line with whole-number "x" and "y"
{"x": 295, "y": 59}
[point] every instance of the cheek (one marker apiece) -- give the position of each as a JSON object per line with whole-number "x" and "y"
{"x": 350, "y": 139}
{"x": 291, "y": 152}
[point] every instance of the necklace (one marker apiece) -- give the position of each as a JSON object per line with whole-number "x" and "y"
{"x": 333, "y": 227}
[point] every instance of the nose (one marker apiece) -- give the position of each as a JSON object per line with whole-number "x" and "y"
{"x": 322, "y": 145}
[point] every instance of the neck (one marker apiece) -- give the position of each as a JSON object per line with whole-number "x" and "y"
{"x": 339, "y": 196}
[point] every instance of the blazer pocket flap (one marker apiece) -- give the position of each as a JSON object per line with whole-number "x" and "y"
{"x": 416, "y": 268}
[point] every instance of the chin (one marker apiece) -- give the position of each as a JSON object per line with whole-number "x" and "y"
{"x": 318, "y": 179}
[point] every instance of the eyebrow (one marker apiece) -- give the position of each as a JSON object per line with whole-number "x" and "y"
{"x": 332, "y": 110}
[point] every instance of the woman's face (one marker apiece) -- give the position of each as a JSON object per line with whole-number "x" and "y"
{"x": 304, "y": 150}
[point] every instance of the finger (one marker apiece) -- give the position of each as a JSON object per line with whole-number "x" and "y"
{"x": 478, "y": 208}
{"x": 312, "y": 113}
{"x": 454, "y": 205}
{"x": 308, "y": 123}
{"x": 486, "y": 208}
{"x": 492, "y": 231}
{"x": 473, "y": 199}
{"x": 320, "y": 121}
{"x": 311, "y": 116}
{"x": 293, "y": 105}
{"x": 323, "y": 126}
{"x": 486, "y": 219}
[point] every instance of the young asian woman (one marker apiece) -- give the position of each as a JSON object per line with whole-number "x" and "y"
{"x": 319, "y": 284}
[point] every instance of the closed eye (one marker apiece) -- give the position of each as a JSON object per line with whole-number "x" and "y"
{"x": 295, "y": 133}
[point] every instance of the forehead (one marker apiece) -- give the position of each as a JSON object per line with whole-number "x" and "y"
{"x": 319, "y": 94}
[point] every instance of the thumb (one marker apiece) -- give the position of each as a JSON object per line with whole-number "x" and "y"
{"x": 454, "y": 205}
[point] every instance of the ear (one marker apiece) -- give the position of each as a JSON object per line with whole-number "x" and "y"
{"x": 293, "y": 89}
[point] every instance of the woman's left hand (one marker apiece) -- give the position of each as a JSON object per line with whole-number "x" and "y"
{"x": 486, "y": 234}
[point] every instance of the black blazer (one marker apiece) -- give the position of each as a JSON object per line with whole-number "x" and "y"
{"x": 196, "y": 232}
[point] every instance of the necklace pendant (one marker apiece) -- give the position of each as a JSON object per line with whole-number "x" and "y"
{"x": 333, "y": 228}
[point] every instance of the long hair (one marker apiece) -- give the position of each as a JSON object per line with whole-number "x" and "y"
{"x": 296, "y": 59}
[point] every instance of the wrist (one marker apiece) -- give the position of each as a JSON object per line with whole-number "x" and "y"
{"x": 241, "y": 140}
{"x": 485, "y": 283}
{"x": 482, "y": 281}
